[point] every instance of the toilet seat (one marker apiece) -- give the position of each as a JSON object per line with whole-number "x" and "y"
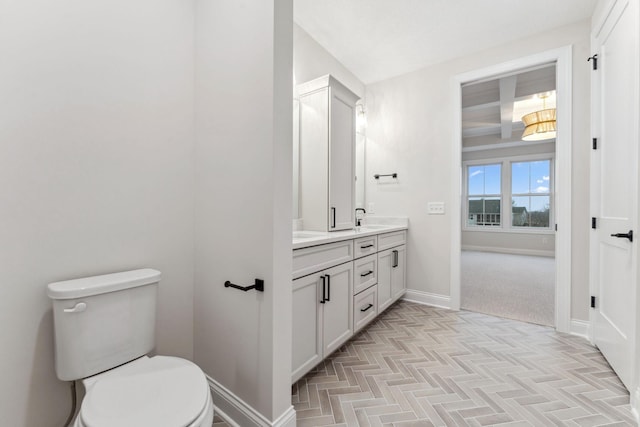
{"x": 160, "y": 391}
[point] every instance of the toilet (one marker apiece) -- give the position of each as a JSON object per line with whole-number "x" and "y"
{"x": 104, "y": 326}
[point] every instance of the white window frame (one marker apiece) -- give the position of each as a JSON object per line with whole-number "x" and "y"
{"x": 484, "y": 195}
{"x": 506, "y": 196}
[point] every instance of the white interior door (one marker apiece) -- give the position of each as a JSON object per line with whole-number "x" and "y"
{"x": 615, "y": 177}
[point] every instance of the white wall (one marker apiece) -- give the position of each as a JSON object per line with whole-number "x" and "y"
{"x": 96, "y": 176}
{"x": 311, "y": 60}
{"x": 410, "y": 129}
{"x": 243, "y": 198}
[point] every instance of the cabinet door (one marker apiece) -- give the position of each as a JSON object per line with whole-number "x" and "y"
{"x": 398, "y": 269}
{"x": 384, "y": 279}
{"x": 306, "y": 340}
{"x": 337, "y": 311}
{"x": 314, "y": 159}
{"x": 341, "y": 161}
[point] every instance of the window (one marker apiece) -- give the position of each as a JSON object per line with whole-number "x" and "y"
{"x": 530, "y": 193}
{"x": 484, "y": 195}
{"x": 523, "y": 183}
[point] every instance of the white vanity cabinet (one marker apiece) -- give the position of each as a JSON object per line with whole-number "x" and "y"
{"x": 327, "y": 154}
{"x": 322, "y": 312}
{"x": 338, "y": 288}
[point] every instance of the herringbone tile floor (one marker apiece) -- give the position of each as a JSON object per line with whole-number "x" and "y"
{"x": 419, "y": 366}
{"x": 422, "y": 366}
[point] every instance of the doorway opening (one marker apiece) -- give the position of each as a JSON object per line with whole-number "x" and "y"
{"x": 508, "y": 242}
{"x": 501, "y": 205}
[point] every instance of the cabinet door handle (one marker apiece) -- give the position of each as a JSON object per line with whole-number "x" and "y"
{"x": 366, "y": 308}
{"x": 328, "y": 288}
{"x": 366, "y": 274}
{"x": 366, "y": 246}
{"x": 395, "y": 259}
{"x": 333, "y": 215}
{"x": 324, "y": 290}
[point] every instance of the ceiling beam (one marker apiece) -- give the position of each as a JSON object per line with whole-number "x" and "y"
{"x": 507, "y": 97}
{"x": 476, "y": 107}
{"x": 488, "y": 129}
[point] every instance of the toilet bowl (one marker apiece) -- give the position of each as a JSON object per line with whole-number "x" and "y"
{"x": 160, "y": 391}
{"x": 104, "y": 327}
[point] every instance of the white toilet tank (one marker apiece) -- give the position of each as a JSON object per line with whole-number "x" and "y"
{"x": 103, "y": 321}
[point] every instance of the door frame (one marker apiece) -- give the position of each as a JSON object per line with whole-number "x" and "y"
{"x": 562, "y": 57}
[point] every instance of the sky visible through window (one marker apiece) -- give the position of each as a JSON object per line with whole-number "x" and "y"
{"x": 526, "y": 178}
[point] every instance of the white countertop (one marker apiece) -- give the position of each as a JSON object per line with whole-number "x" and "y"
{"x": 303, "y": 238}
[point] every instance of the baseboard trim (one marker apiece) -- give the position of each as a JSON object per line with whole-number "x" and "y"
{"x": 427, "y": 298}
{"x": 580, "y": 328}
{"x": 534, "y": 252}
{"x": 237, "y": 413}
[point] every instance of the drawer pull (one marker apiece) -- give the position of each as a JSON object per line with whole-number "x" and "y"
{"x": 366, "y": 274}
{"x": 366, "y": 308}
{"x": 366, "y": 246}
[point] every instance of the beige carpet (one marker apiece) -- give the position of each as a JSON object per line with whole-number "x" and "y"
{"x": 519, "y": 287}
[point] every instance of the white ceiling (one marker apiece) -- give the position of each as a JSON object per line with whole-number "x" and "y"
{"x": 379, "y": 39}
{"x": 495, "y": 107}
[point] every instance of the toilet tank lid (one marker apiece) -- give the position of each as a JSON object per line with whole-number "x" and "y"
{"x": 86, "y": 286}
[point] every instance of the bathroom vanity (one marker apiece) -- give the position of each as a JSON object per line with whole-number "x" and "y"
{"x": 342, "y": 281}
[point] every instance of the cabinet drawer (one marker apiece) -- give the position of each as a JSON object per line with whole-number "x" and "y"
{"x": 365, "y": 307}
{"x": 316, "y": 258}
{"x": 365, "y": 273}
{"x": 365, "y": 246}
{"x": 389, "y": 240}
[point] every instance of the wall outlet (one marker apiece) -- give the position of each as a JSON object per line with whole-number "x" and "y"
{"x": 436, "y": 208}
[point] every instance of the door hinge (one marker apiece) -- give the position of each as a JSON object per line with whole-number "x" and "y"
{"x": 593, "y": 301}
{"x": 595, "y": 61}
{"x": 593, "y": 222}
{"x": 595, "y": 143}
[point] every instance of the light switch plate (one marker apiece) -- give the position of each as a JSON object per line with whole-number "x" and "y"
{"x": 436, "y": 208}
